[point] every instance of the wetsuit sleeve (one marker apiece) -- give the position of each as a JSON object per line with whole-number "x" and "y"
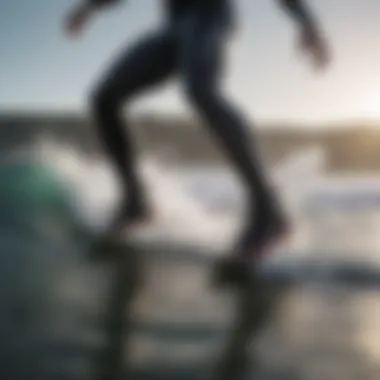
{"x": 298, "y": 10}
{"x": 102, "y": 3}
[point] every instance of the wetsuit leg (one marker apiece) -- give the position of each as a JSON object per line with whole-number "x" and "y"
{"x": 203, "y": 40}
{"x": 147, "y": 63}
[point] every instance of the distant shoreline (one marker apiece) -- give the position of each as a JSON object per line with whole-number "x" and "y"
{"x": 354, "y": 146}
{"x": 274, "y": 124}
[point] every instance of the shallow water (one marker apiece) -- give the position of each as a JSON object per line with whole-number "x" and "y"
{"x": 53, "y": 311}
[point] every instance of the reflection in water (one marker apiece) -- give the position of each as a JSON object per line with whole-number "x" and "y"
{"x": 54, "y": 301}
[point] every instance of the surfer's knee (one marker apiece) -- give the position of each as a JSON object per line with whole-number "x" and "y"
{"x": 200, "y": 94}
{"x": 103, "y": 101}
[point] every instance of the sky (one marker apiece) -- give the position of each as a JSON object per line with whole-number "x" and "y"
{"x": 267, "y": 78}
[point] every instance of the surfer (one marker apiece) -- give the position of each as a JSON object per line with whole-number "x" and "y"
{"x": 191, "y": 44}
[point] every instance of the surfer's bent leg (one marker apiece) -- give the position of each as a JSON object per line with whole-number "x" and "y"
{"x": 146, "y": 64}
{"x": 202, "y": 54}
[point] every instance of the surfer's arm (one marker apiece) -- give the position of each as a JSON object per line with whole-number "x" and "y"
{"x": 97, "y": 4}
{"x": 83, "y": 12}
{"x": 311, "y": 38}
{"x": 300, "y": 13}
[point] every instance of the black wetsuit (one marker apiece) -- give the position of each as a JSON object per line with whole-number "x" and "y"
{"x": 191, "y": 44}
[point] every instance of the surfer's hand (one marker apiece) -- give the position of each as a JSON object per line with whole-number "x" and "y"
{"x": 311, "y": 42}
{"x": 77, "y": 19}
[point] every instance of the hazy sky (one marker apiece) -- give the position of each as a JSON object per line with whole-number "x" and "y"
{"x": 41, "y": 68}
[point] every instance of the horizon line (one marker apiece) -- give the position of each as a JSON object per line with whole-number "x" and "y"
{"x": 283, "y": 122}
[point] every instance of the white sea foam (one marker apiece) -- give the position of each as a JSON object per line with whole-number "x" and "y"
{"x": 203, "y": 205}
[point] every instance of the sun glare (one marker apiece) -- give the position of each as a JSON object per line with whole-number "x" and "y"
{"x": 370, "y": 107}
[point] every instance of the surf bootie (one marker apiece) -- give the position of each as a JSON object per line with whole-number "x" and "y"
{"x": 256, "y": 241}
{"x": 132, "y": 214}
